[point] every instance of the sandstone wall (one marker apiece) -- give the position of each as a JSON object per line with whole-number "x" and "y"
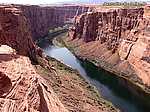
{"x": 41, "y": 19}
{"x": 117, "y": 28}
{"x": 14, "y": 31}
{"x": 22, "y": 89}
{"x": 124, "y": 32}
{"x": 20, "y": 24}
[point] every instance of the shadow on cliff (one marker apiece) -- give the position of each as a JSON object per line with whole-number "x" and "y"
{"x": 5, "y": 84}
{"x": 147, "y": 59}
{"x": 8, "y": 57}
{"x": 43, "y": 103}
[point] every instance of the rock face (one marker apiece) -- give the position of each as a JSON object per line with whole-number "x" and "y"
{"x": 20, "y": 24}
{"x": 104, "y": 25}
{"x": 41, "y": 19}
{"x": 118, "y": 37}
{"x": 22, "y": 89}
{"x": 14, "y": 31}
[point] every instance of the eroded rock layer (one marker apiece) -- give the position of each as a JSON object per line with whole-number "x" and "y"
{"x": 117, "y": 38}
{"x": 41, "y": 19}
{"x": 22, "y": 89}
{"x": 20, "y": 24}
{"x": 14, "y": 31}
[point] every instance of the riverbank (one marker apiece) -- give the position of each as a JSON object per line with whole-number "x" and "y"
{"x": 134, "y": 86}
{"x": 73, "y": 91}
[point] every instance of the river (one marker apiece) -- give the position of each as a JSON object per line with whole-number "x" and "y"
{"x": 107, "y": 84}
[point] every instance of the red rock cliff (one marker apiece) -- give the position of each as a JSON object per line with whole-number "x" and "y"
{"x": 14, "y": 31}
{"x": 41, "y": 19}
{"x": 20, "y": 24}
{"x": 21, "y": 88}
{"x": 118, "y": 37}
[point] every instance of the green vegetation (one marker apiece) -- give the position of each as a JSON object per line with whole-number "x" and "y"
{"x": 56, "y": 31}
{"x": 52, "y": 33}
{"x": 58, "y": 41}
{"x": 57, "y": 80}
{"x": 58, "y": 74}
{"x": 135, "y": 83}
{"x": 125, "y": 4}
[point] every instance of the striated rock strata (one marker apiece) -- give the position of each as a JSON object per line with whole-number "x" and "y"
{"x": 22, "y": 89}
{"x": 41, "y": 19}
{"x": 14, "y": 31}
{"x": 118, "y": 39}
{"x": 19, "y": 24}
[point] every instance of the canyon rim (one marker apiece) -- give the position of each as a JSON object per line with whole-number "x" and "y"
{"x": 115, "y": 39}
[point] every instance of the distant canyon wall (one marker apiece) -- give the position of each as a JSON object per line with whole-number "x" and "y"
{"x": 41, "y": 19}
{"x": 20, "y": 24}
{"x": 123, "y": 32}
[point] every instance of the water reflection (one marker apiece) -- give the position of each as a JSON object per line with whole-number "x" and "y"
{"x": 107, "y": 84}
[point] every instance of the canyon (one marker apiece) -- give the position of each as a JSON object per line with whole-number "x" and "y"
{"x": 116, "y": 40}
{"x": 41, "y": 19}
{"x": 30, "y": 81}
{"x": 21, "y": 88}
{"x": 19, "y": 22}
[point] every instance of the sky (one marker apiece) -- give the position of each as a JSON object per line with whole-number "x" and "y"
{"x": 32, "y": 1}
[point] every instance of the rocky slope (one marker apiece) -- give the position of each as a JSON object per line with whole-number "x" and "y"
{"x": 24, "y": 87}
{"x": 21, "y": 88}
{"x": 74, "y": 91}
{"x": 117, "y": 39}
